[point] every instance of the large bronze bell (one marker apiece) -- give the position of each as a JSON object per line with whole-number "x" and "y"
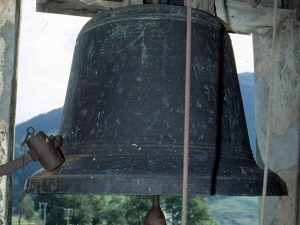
{"x": 123, "y": 116}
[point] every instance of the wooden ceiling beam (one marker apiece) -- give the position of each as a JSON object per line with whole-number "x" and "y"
{"x": 237, "y": 16}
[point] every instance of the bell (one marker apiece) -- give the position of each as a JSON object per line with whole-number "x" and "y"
{"x": 155, "y": 216}
{"x": 123, "y": 118}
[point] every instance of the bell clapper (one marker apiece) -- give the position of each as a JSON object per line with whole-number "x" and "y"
{"x": 155, "y": 216}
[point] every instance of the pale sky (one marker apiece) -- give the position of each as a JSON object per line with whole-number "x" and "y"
{"x": 45, "y": 56}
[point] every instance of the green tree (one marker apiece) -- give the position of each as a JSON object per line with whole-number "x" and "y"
{"x": 197, "y": 210}
{"x": 27, "y": 207}
{"x": 107, "y": 209}
{"x": 98, "y": 205}
{"x": 87, "y": 209}
{"x": 82, "y": 210}
{"x": 115, "y": 210}
{"x": 55, "y": 205}
{"x": 121, "y": 210}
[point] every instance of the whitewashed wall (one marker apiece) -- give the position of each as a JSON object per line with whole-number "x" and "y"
{"x": 9, "y": 25}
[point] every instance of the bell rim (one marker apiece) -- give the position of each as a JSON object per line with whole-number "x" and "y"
{"x": 44, "y": 182}
{"x": 85, "y": 174}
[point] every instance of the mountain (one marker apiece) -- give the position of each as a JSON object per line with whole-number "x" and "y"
{"x": 246, "y": 78}
{"x": 246, "y": 81}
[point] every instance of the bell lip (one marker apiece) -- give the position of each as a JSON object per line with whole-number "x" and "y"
{"x": 70, "y": 180}
{"x": 43, "y": 182}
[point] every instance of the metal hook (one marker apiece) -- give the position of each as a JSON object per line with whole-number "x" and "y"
{"x": 28, "y": 133}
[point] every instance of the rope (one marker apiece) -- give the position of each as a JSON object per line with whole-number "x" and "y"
{"x": 187, "y": 112}
{"x": 22, "y": 191}
{"x": 270, "y": 108}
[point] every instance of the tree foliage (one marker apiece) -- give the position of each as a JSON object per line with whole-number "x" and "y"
{"x": 27, "y": 207}
{"x": 114, "y": 212}
{"x": 97, "y": 203}
{"x": 120, "y": 210}
{"x": 197, "y": 210}
{"x": 136, "y": 209}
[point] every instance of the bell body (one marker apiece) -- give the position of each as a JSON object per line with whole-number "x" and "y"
{"x": 123, "y": 118}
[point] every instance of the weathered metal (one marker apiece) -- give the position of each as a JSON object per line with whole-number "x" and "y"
{"x": 46, "y": 150}
{"x": 42, "y": 148}
{"x": 155, "y": 216}
{"x": 123, "y": 116}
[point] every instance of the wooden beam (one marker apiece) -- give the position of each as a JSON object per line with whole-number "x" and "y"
{"x": 80, "y": 7}
{"x": 237, "y": 15}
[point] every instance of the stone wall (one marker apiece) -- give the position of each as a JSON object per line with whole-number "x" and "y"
{"x": 285, "y": 124}
{"x": 9, "y": 25}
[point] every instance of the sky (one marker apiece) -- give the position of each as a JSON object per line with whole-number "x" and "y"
{"x": 45, "y": 55}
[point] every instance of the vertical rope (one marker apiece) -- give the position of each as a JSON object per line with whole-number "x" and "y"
{"x": 270, "y": 109}
{"x": 187, "y": 113}
{"x": 22, "y": 192}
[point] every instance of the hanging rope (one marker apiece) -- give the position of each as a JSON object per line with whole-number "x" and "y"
{"x": 22, "y": 192}
{"x": 187, "y": 113}
{"x": 270, "y": 108}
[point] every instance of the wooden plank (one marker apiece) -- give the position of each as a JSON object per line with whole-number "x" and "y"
{"x": 240, "y": 17}
{"x": 237, "y": 15}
